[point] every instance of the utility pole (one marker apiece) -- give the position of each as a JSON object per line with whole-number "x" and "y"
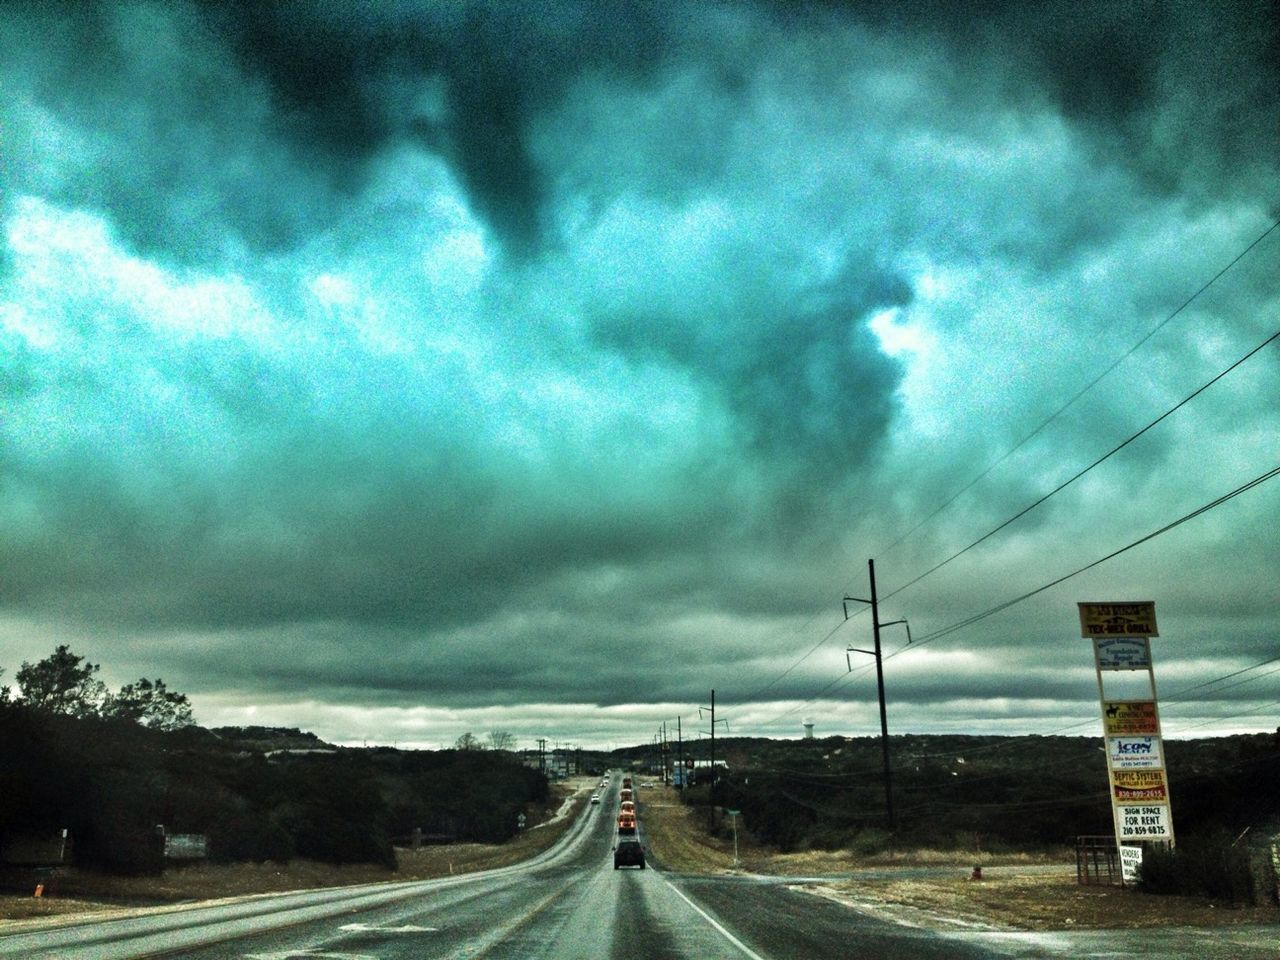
{"x": 542, "y": 755}
{"x": 684, "y": 774}
{"x": 884, "y": 719}
{"x": 711, "y": 807}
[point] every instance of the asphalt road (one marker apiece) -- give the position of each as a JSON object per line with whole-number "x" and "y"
{"x": 570, "y": 903}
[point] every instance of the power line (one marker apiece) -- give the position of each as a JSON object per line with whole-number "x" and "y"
{"x": 1240, "y": 683}
{"x": 998, "y": 608}
{"x": 1008, "y": 742}
{"x": 969, "y": 621}
{"x": 840, "y": 678}
{"x": 1106, "y": 456}
{"x": 1053, "y": 416}
{"x": 1230, "y": 716}
{"x": 831, "y": 633}
{"x": 1085, "y": 389}
{"x": 1181, "y": 694}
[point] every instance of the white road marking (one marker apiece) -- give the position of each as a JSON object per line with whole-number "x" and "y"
{"x": 306, "y": 955}
{"x": 711, "y": 920}
{"x": 407, "y": 928}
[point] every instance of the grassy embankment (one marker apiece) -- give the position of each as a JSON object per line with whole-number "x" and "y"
{"x": 76, "y": 893}
{"x": 679, "y": 840}
{"x": 1017, "y": 894}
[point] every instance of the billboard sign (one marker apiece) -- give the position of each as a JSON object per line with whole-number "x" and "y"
{"x": 186, "y": 846}
{"x": 1130, "y": 861}
{"x": 1132, "y": 619}
{"x": 1139, "y": 786}
{"x": 1135, "y": 753}
{"x": 1149, "y": 821}
{"x": 1125, "y": 718}
{"x": 1123, "y": 653}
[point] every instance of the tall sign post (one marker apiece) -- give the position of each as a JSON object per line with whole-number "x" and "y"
{"x": 1121, "y": 633}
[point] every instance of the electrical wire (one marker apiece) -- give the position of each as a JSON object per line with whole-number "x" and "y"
{"x": 999, "y": 608}
{"x": 840, "y": 678}
{"x": 1181, "y": 694}
{"x": 827, "y": 637}
{"x": 1230, "y": 716}
{"x": 812, "y": 650}
{"x": 1083, "y": 390}
{"x": 1106, "y": 456}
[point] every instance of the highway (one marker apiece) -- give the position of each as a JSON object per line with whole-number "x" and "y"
{"x": 570, "y": 903}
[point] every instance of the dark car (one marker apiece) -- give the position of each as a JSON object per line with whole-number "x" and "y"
{"x": 628, "y": 853}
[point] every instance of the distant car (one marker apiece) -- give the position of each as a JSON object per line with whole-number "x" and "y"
{"x": 628, "y": 853}
{"x": 595, "y": 798}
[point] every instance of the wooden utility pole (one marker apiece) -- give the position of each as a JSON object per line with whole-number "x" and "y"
{"x": 876, "y": 652}
{"x": 711, "y": 806}
{"x": 684, "y": 774}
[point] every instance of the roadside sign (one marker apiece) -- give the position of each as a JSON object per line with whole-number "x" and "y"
{"x": 1139, "y": 786}
{"x": 1135, "y": 753}
{"x": 1144, "y": 822}
{"x": 1118, "y": 619}
{"x": 1123, "y": 653}
{"x": 1128, "y": 717}
{"x": 1140, "y": 806}
{"x": 1130, "y": 861}
{"x": 186, "y": 846}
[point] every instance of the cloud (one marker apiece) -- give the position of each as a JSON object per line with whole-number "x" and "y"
{"x": 462, "y": 355}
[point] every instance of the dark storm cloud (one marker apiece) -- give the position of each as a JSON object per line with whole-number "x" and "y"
{"x": 338, "y": 76}
{"x": 539, "y": 353}
{"x": 803, "y": 379}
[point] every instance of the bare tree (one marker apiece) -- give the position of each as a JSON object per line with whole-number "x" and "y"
{"x": 468, "y": 741}
{"x": 502, "y": 740}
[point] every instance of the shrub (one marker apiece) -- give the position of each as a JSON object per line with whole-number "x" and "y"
{"x": 1207, "y": 865}
{"x": 252, "y": 837}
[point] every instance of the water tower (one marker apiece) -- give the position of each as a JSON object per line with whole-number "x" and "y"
{"x": 808, "y": 729}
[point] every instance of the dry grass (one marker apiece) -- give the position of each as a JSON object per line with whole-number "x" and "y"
{"x": 75, "y": 894}
{"x": 678, "y": 837}
{"x": 1009, "y": 897}
{"x": 1024, "y": 902}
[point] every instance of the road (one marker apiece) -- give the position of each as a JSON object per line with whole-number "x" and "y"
{"x": 570, "y": 903}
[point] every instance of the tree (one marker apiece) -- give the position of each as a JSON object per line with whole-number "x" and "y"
{"x": 468, "y": 741}
{"x": 502, "y": 740}
{"x": 62, "y": 682}
{"x": 151, "y": 704}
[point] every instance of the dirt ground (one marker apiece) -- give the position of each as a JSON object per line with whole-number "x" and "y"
{"x": 1022, "y": 901}
{"x": 73, "y": 895}
{"x": 1017, "y": 892}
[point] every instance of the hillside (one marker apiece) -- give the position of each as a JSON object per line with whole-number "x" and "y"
{"x": 953, "y": 790}
{"x": 118, "y": 788}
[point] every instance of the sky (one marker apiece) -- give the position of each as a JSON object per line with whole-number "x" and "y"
{"x": 399, "y": 370}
